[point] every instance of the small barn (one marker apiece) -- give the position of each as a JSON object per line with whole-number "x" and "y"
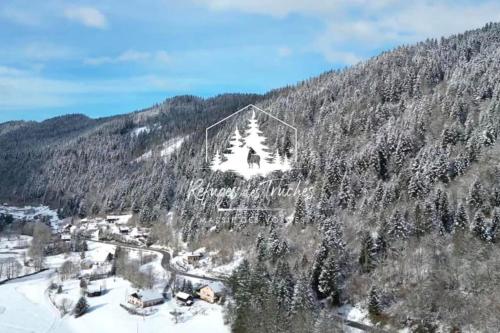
{"x": 93, "y": 290}
{"x": 66, "y": 237}
{"x": 112, "y": 218}
{"x": 184, "y": 298}
{"x": 145, "y": 298}
{"x": 193, "y": 258}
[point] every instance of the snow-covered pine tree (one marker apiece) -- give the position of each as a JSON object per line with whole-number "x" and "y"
{"x": 319, "y": 258}
{"x": 374, "y": 303}
{"x": 476, "y": 195}
{"x": 480, "y": 228}
{"x": 329, "y": 282}
{"x": 495, "y": 224}
{"x": 81, "y": 307}
{"x": 419, "y": 226}
{"x": 261, "y": 248}
{"x": 300, "y": 212}
{"x": 302, "y": 307}
{"x": 461, "y": 219}
{"x": 399, "y": 227}
{"x": 367, "y": 255}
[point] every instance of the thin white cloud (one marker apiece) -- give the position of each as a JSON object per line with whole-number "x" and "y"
{"x": 88, "y": 16}
{"x": 283, "y": 8}
{"x": 20, "y": 16}
{"x": 276, "y": 8}
{"x": 371, "y": 24}
{"x": 161, "y": 57}
{"x": 43, "y": 51}
{"x": 284, "y": 51}
{"x": 16, "y": 84}
{"x": 340, "y": 57}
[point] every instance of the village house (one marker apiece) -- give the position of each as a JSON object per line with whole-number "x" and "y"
{"x": 66, "y": 237}
{"x": 93, "y": 290}
{"x": 124, "y": 230}
{"x": 112, "y": 218}
{"x": 118, "y": 219}
{"x": 140, "y": 233}
{"x": 145, "y": 298}
{"x": 87, "y": 263}
{"x": 211, "y": 293}
{"x": 184, "y": 298}
{"x": 194, "y": 257}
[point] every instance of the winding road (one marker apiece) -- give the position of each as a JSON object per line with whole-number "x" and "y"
{"x": 165, "y": 262}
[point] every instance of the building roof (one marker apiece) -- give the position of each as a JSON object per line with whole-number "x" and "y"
{"x": 182, "y": 295}
{"x": 120, "y": 219}
{"x": 217, "y": 287}
{"x": 93, "y": 288}
{"x": 148, "y": 295}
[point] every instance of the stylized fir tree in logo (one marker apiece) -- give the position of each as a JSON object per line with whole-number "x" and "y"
{"x": 249, "y": 156}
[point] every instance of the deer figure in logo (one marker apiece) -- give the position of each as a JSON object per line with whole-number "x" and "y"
{"x": 253, "y": 158}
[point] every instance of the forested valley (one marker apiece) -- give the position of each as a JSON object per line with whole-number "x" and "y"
{"x": 401, "y": 151}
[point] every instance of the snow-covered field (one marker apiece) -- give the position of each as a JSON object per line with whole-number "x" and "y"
{"x": 165, "y": 149}
{"x": 31, "y": 213}
{"x": 106, "y": 315}
{"x": 25, "y": 305}
{"x": 13, "y": 249}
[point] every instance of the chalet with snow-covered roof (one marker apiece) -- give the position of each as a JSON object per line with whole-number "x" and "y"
{"x": 194, "y": 257}
{"x": 93, "y": 290}
{"x": 118, "y": 219}
{"x": 112, "y": 218}
{"x": 212, "y": 293}
{"x": 145, "y": 298}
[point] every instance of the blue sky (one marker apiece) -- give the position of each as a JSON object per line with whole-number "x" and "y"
{"x": 106, "y": 57}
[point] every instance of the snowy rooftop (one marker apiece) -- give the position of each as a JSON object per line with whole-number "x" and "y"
{"x": 120, "y": 219}
{"x": 182, "y": 295}
{"x": 217, "y": 287}
{"x": 149, "y": 295}
{"x": 93, "y": 288}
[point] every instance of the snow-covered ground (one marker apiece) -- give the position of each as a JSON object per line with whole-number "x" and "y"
{"x": 139, "y": 130}
{"x": 201, "y": 317}
{"x": 14, "y": 249}
{"x": 32, "y": 213}
{"x": 205, "y": 266}
{"x": 97, "y": 252}
{"x": 25, "y": 305}
{"x": 354, "y": 313}
{"x": 165, "y": 149}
